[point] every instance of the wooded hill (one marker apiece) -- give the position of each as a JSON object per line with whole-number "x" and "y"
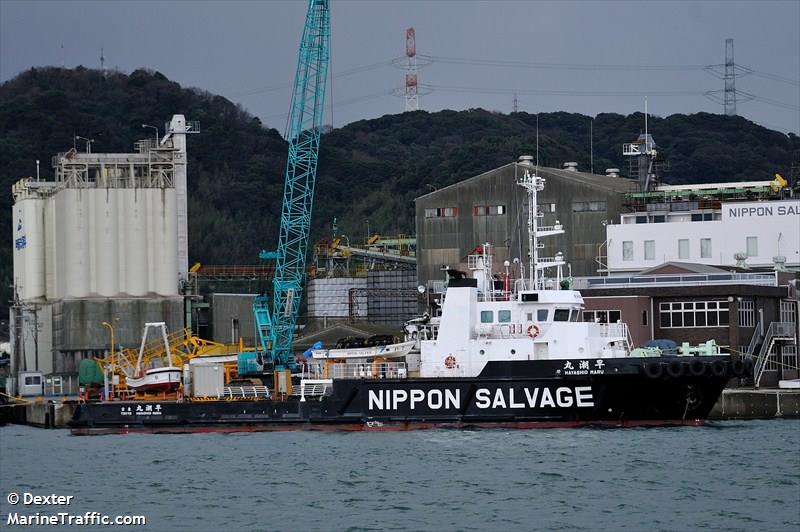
{"x": 369, "y": 169}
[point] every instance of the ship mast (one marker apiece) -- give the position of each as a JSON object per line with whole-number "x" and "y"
{"x": 534, "y": 184}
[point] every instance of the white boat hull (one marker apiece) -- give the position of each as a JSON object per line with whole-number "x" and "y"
{"x": 385, "y": 351}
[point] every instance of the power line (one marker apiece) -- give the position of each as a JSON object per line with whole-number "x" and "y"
{"x": 554, "y": 66}
{"x": 549, "y": 92}
{"x": 775, "y": 77}
{"x": 342, "y": 103}
{"x": 343, "y": 73}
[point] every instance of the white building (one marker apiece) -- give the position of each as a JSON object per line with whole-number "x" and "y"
{"x": 691, "y": 224}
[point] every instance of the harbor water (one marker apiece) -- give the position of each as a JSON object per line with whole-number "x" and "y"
{"x": 723, "y": 476}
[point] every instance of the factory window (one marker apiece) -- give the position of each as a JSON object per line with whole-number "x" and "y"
{"x": 33, "y": 380}
{"x": 747, "y": 314}
{"x": 644, "y": 317}
{"x": 602, "y": 316}
{"x": 705, "y": 248}
{"x": 683, "y": 248}
{"x": 504, "y": 316}
{"x": 676, "y": 314}
{"x": 487, "y": 316}
{"x": 649, "y": 250}
{"x": 234, "y": 330}
{"x": 541, "y": 314}
{"x": 627, "y": 250}
{"x": 488, "y": 210}
{"x": 441, "y": 212}
{"x": 752, "y": 246}
{"x": 589, "y": 206}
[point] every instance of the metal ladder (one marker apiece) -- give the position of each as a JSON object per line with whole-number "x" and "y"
{"x": 778, "y": 331}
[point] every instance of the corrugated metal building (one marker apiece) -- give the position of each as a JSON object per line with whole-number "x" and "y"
{"x": 492, "y": 208}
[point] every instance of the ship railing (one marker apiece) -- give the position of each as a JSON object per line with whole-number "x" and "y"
{"x": 234, "y": 392}
{"x": 694, "y": 279}
{"x": 508, "y": 330}
{"x": 613, "y": 330}
{"x": 369, "y": 370}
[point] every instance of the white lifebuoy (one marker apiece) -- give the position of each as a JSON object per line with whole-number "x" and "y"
{"x": 533, "y": 331}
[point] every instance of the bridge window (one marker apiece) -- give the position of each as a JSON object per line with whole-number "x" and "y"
{"x": 504, "y": 316}
{"x": 541, "y": 314}
{"x": 561, "y": 314}
{"x": 487, "y": 316}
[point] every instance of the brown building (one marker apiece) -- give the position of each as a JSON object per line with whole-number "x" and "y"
{"x": 740, "y": 310}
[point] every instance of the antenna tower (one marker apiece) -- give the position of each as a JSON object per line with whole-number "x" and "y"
{"x": 412, "y": 97}
{"x": 102, "y": 61}
{"x": 515, "y": 106}
{"x": 730, "y": 79}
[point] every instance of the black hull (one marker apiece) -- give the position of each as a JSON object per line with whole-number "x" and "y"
{"x": 539, "y": 394}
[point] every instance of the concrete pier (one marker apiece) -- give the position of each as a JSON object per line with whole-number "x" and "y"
{"x": 739, "y": 403}
{"x": 45, "y": 415}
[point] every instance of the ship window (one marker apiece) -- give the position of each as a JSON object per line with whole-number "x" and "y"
{"x": 487, "y": 316}
{"x": 574, "y": 315}
{"x": 504, "y": 316}
{"x": 530, "y": 316}
{"x": 561, "y": 314}
{"x": 541, "y": 314}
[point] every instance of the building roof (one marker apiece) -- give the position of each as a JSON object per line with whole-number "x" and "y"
{"x": 330, "y": 335}
{"x": 614, "y": 184}
{"x": 688, "y": 267}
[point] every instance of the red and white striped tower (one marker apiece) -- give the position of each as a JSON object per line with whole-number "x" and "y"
{"x": 412, "y": 97}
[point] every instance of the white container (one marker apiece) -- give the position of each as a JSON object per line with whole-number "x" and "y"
{"x": 208, "y": 380}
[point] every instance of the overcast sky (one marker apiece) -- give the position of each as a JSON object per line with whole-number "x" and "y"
{"x": 240, "y": 48}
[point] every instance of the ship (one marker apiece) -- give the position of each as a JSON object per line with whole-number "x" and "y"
{"x": 502, "y": 349}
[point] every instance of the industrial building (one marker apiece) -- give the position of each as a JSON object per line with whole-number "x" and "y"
{"x": 751, "y": 224}
{"x": 104, "y": 241}
{"x": 490, "y": 207}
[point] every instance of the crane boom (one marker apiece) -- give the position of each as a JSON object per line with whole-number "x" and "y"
{"x": 276, "y": 330}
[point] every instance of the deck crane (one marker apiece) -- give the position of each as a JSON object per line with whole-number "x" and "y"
{"x": 275, "y": 329}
